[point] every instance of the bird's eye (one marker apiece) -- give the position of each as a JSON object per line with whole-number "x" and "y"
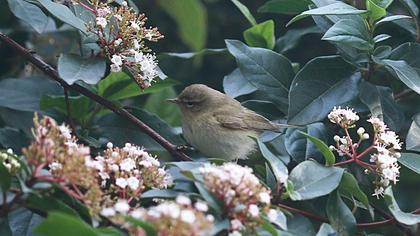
{"x": 189, "y": 104}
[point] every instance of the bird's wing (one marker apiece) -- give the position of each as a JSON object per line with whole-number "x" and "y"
{"x": 245, "y": 120}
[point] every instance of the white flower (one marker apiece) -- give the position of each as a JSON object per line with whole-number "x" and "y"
{"x": 10, "y": 151}
{"x": 109, "y": 211}
{"x": 188, "y": 216}
{"x": 118, "y": 17}
{"x": 365, "y": 136}
{"x": 65, "y": 131}
{"x": 117, "y": 42}
{"x": 103, "y": 11}
{"x": 138, "y": 56}
{"x": 133, "y": 183}
{"x": 389, "y": 138}
{"x": 121, "y": 182}
{"x": 137, "y": 213}
{"x": 253, "y": 210}
{"x": 117, "y": 60}
{"x": 378, "y": 125}
{"x": 235, "y": 233}
{"x": 360, "y": 131}
{"x": 236, "y": 224}
{"x": 115, "y": 154}
{"x": 55, "y": 165}
{"x": 272, "y": 215}
{"x": 134, "y": 25}
{"x": 136, "y": 44}
{"x": 109, "y": 145}
{"x": 115, "y": 68}
{"x": 343, "y": 117}
{"x": 124, "y": 3}
{"x": 174, "y": 210}
{"x": 183, "y": 200}
{"x": 264, "y": 197}
{"x": 201, "y": 206}
{"x": 379, "y": 191}
{"x": 101, "y": 21}
{"x": 127, "y": 164}
{"x": 122, "y": 206}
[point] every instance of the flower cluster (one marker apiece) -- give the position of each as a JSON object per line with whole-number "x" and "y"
{"x": 169, "y": 218}
{"x": 385, "y": 142}
{"x": 121, "y": 35}
{"x": 388, "y": 146}
{"x": 126, "y": 172}
{"x": 54, "y": 147}
{"x": 245, "y": 198}
{"x": 10, "y": 161}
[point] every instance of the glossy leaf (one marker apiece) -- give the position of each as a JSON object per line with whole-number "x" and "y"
{"x": 311, "y": 180}
{"x": 22, "y": 221}
{"x": 411, "y": 161}
{"x": 404, "y": 72}
{"x": 340, "y": 216}
{"x": 351, "y": 32}
{"x": 292, "y": 37}
{"x": 72, "y": 68}
{"x": 392, "y": 18}
{"x": 400, "y": 216}
{"x": 80, "y": 106}
{"x": 288, "y": 7}
{"x": 320, "y": 85}
{"x": 235, "y": 84}
{"x": 66, "y": 225}
{"x": 326, "y": 230}
{"x": 325, "y": 150}
{"x": 350, "y": 187}
{"x": 261, "y": 35}
{"x": 413, "y": 136}
{"x": 336, "y": 8}
{"x": 408, "y": 52}
{"x": 245, "y": 11}
{"x": 64, "y": 14}
{"x": 148, "y": 228}
{"x": 5, "y": 178}
{"x": 277, "y": 166}
{"x": 268, "y": 71}
{"x": 377, "y": 8}
{"x": 30, "y": 14}
{"x": 13, "y": 138}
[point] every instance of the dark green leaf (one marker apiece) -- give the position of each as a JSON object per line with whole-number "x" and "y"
{"x": 4, "y": 227}
{"x": 349, "y": 187}
{"x": 26, "y": 92}
{"x": 268, "y": 71}
{"x": 80, "y": 106}
{"x": 148, "y": 228}
{"x": 13, "y": 138}
{"x": 245, "y": 11}
{"x": 268, "y": 227}
{"x": 392, "y": 18}
{"x": 49, "y": 204}
{"x": 261, "y": 35}
{"x": 381, "y": 104}
{"x": 311, "y": 180}
{"x": 411, "y": 161}
{"x": 235, "y": 84}
{"x": 400, "y": 216}
{"x": 325, "y": 150}
{"x": 5, "y": 178}
{"x": 192, "y": 27}
{"x": 320, "y": 85}
{"x": 119, "y": 130}
{"x": 292, "y": 37}
{"x": 73, "y": 68}
{"x": 156, "y": 103}
{"x": 408, "y": 52}
{"x": 22, "y": 222}
{"x": 407, "y": 74}
{"x": 413, "y": 136}
{"x": 340, "y": 216}
{"x": 64, "y": 225}
{"x": 30, "y": 14}
{"x": 277, "y": 166}
{"x": 281, "y": 220}
{"x": 159, "y": 193}
{"x": 64, "y": 14}
{"x": 326, "y": 230}
{"x": 336, "y": 8}
{"x": 288, "y": 7}
{"x": 351, "y": 32}
{"x": 299, "y": 225}
{"x": 190, "y": 55}
{"x": 212, "y": 200}
{"x": 381, "y": 37}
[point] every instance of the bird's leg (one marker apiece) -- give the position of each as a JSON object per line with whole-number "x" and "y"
{"x": 184, "y": 148}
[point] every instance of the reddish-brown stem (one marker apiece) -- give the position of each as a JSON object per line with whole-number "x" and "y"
{"x": 53, "y": 74}
{"x": 366, "y": 151}
{"x": 353, "y": 151}
{"x": 344, "y": 162}
{"x": 87, "y": 7}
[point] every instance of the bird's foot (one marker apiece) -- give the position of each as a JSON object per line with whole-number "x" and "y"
{"x": 184, "y": 148}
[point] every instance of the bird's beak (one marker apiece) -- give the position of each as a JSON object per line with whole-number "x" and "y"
{"x": 173, "y": 100}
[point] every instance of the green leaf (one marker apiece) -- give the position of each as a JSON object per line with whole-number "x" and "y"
{"x": 351, "y": 32}
{"x": 320, "y": 85}
{"x": 400, "y": 216}
{"x": 325, "y": 150}
{"x": 392, "y": 18}
{"x": 340, "y": 216}
{"x": 148, "y": 228}
{"x": 377, "y": 8}
{"x": 261, "y": 35}
{"x": 235, "y": 84}
{"x": 268, "y": 227}
{"x": 270, "y": 72}
{"x": 119, "y": 130}
{"x": 299, "y": 225}
{"x": 408, "y": 52}
{"x": 407, "y": 74}
{"x": 192, "y": 26}
{"x": 288, "y": 7}
{"x": 64, "y": 14}
{"x": 49, "y": 204}
{"x": 381, "y": 37}
{"x": 156, "y": 103}
{"x": 350, "y": 187}
{"x": 159, "y": 193}
{"x": 381, "y": 103}
{"x": 326, "y": 230}
{"x": 312, "y": 180}
{"x": 13, "y": 138}
{"x": 80, "y": 105}
{"x": 245, "y": 11}
{"x": 292, "y": 37}
{"x": 26, "y": 92}
{"x": 337, "y": 8}
{"x": 5, "y": 178}
{"x": 4, "y": 227}
{"x": 117, "y": 86}
{"x": 30, "y": 14}
{"x": 72, "y": 68}
{"x": 281, "y": 220}
{"x": 22, "y": 221}
{"x": 411, "y": 161}
{"x": 277, "y": 166}
{"x": 413, "y": 136}
{"x": 64, "y": 225}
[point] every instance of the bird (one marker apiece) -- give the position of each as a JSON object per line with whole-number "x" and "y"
{"x": 218, "y": 125}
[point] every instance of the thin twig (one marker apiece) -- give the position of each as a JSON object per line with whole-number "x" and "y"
{"x": 53, "y": 74}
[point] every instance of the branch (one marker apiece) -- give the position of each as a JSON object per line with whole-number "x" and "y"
{"x": 53, "y": 74}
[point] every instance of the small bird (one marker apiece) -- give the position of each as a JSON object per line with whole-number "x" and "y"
{"x": 218, "y": 125}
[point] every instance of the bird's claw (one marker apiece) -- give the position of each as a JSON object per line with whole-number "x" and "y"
{"x": 184, "y": 148}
